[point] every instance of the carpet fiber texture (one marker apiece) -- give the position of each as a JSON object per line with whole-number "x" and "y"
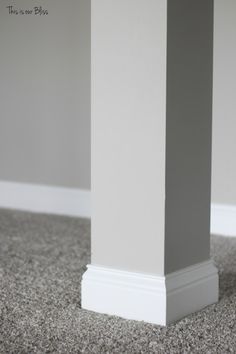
{"x": 42, "y": 259}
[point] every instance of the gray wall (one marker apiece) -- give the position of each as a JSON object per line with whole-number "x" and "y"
{"x": 45, "y": 94}
{"x": 224, "y": 107}
{"x": 45, "y": 103}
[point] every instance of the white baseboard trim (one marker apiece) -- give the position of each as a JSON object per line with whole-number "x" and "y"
{"x": 223, "y": 220}
{"x": 45, "y": 199}
{"x": 153, "y": 299}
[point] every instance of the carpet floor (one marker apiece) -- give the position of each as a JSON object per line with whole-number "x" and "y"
{"x": 42, "y": 259}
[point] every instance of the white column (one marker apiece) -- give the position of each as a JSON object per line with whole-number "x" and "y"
{"x": 151, "y": 159}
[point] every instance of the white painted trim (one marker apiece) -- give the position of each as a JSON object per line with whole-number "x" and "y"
{"x": 45, "y": 199}
{"x": 223, "y": 219}
{"x": 155, "y": 299}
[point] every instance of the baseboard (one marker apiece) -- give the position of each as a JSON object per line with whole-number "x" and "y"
{"x": 223, "y": 220}
{"x": 153, "y": 299}
{"x": 45, "y": 199}
{"x": 77, "y": 202}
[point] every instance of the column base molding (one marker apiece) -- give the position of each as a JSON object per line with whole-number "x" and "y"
{"x": 154, "y": 299}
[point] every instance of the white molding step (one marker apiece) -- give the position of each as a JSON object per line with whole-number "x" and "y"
{"x": 154, "y": 299}
{"x": 223, "y": 220}
{"x": 45, "y": 199}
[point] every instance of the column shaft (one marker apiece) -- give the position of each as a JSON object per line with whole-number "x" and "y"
{"x": 151, "y": 159}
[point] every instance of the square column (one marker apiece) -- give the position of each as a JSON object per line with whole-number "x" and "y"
{"x": 151, "y": 159}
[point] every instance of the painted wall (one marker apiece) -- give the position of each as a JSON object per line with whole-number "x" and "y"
{"x": 45, "y": 96}
{"x": 45, "y": 93}
{"x": 224, "y": 107}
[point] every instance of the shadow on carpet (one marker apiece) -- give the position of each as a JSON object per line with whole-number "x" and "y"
{"x": 42, "y": 259}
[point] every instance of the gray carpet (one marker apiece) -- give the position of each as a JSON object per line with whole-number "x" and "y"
{"x": 42, "y": 259}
